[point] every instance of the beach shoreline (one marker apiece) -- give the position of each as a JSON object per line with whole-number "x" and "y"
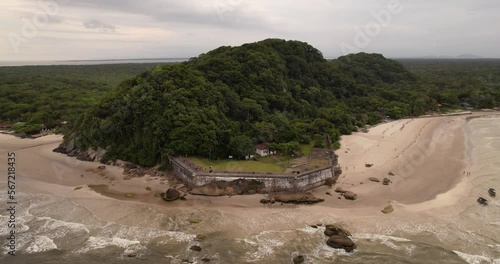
{"x": 414, "y": 190}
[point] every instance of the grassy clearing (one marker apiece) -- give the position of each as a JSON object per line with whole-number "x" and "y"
{"x": 305, "y": 149}
{"x": 266, "y": 164}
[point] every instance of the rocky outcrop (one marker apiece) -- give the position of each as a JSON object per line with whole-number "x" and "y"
{"x": 336, "y": 230}
{"x": 171, "y": 195}
{"x": 350, "y": 195}
{"x": 293, "y": 198}
{"x": 237, "y": 187}
{"x": 69, "y": 148}
{"x": 330, "y": 182}
{"x": 341, "y": 242}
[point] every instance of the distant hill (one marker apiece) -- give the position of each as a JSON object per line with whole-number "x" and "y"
{"x": 468, "y": 56}
{"x": 462, "y": 56}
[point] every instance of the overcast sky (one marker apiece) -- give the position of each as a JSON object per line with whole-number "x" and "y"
{"x": 123, "y": 29}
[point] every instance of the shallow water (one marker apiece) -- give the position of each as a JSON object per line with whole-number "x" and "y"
{"x": 53, "y": 229}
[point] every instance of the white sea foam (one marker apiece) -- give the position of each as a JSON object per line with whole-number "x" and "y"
{"x": 389, "y": 241}
{"x": 58, "y": 228}
{"x": 146, "y": 234}
{"x": 94, "y": 243}
{"x": 41, "y": 244}
{"x": 267, "y": 242}
{"x": 383, "y": 238}
{"x": 476, "y": 259}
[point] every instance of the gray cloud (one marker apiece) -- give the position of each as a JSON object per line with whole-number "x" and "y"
{"x": 97, "y": 24}
{"x": 175, "y": 28}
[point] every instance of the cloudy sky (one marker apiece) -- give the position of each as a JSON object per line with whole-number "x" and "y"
{"x": 124, "y": 29}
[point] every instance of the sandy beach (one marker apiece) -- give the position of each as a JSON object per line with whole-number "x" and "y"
{"x": 425, "y": 158}
{"x": 428, "y": 161}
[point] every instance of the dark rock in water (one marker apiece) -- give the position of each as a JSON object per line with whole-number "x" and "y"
{"x": 374, "y": 179}
{"x": 341, "y": 242}
{"x": 329, "y": 182}
{"x": 298, "y": 259}
{"x": 187, "y": 261}
{"x": 314, "y": 226}
{"x": 195, "y": 248}
{"x": 132, "y": 255}
{"x": 336, "y": 230}
{"x": 206, "y": 260}
{"x": 171, "y": 195}
{"x": 200, "y": 237}
{"x": 350, "y": 195}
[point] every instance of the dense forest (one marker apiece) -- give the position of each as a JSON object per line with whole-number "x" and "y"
{"x": 223, "y": 102}
{"x": 45, "y": 96}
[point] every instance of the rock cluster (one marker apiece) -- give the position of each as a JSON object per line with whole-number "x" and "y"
{"x": 339, "y": 238}
{"x": 293, "y": 198}
{"x": 386, "y": 181}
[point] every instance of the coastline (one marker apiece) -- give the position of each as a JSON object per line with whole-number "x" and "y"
{"x": 422, "y": 197}
{"x": 400, "y": 147}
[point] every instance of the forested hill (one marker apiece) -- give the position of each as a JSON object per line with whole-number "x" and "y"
{"x": 225, "y": 101}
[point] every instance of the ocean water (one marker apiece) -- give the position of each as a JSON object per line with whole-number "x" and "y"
{"x": 90, "y": 62}
{"x": 53, "y": 229}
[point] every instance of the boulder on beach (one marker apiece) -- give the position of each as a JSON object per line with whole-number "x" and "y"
{"x": 386, "y": 181}
{"x": 171, "y": 195}
{"x": 329, "y": 182}
{"x": 341, "y": 242}
{"x": 388, "y": 209}
{"x": 374, "y": 179}
{"x": 339, "y": 190}
{"x": 336, "y": 230}
{"x": 350, "y": 195}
